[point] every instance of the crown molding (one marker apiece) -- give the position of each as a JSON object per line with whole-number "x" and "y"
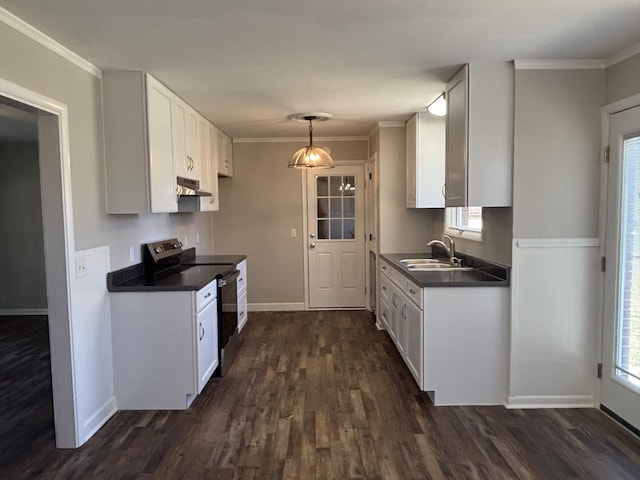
{"x": 559, "y": 64}
{"x": 628, "y": 52}
{"x": 391, "y": 123}
{"x": 46, "y": 41}
{"x": 299, "y": 139}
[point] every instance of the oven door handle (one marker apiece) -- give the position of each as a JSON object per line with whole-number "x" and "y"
{"x": 228, "y": 278}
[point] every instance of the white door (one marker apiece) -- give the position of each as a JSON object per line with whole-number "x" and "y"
{"x": 336, "y": 237}
{"x": 621, "y": 350}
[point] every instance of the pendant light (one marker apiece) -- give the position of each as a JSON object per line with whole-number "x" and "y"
{"x": 310, "y": 156}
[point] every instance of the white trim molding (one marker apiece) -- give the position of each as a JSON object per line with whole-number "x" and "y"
{"x": 559, "y": 64}
{"x": 276, "y": 307}
{"x": 621, "y": 56}
{"x": 46, "y": 41}
{"x": 550, "y": 401}
{"x": 557, "y": 242}
{"x": 20, "y": 312}
{"x": 300, "y": 139}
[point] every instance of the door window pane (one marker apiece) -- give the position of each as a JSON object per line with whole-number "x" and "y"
{"x": 336, "y": 229}
{"x": 323, "y": 207}
{"x": 628, "y": 325}
{"x": 335, "y": 199}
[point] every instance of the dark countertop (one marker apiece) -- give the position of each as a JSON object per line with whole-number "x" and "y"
{"x": 179, "y": 278}
{"x": 485, "y": 274}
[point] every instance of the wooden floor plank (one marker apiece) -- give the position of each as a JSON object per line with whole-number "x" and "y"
{"x": 311, "y": 395}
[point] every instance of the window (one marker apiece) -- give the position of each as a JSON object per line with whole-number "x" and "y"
{"x": 464, "y": 222}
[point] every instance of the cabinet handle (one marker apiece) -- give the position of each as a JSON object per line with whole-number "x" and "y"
{"x": 202, "y": 330}
{"x": 384, "y": 288}
{"x": 404, "y": 312}
{"x": 383, "y": 267}
{"x": 207, "y": 295}
{"x": 412, "y": 291}
{"x": 444, "y": 190}
{"x": 242, "y": 313}
{"x": 393, "y": 300}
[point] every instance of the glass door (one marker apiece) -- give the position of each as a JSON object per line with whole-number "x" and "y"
{"x": 621, "y": 349}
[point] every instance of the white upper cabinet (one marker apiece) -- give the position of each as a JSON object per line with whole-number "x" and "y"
{"x": 138, "y": 144}
{"x": 152, "y": 137}
{"x": 225, "y": 155}
{"x": 209, "y": 166}
{"x": 479, "y": 136}
{"x": 425, "y": 137}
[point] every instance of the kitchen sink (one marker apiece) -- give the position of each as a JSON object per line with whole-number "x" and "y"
{"x": 432, "y": 265}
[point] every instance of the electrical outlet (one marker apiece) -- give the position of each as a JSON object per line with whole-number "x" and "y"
{"x": 81, "y": 267}
{"x": 132, "y": 255}
{"x": 186, "y": 240}
{"x": 294, "y": 233}
{"x": 197, "y": 238}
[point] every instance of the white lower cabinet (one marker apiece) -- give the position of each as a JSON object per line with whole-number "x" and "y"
{"x": 454, "y": 340}
{"x": 165, "y": 346}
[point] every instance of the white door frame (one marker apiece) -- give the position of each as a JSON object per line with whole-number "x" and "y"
{"x": 57, "y": 218}
{"x": 607, "y": 111}
{"x": 305, "y": 224}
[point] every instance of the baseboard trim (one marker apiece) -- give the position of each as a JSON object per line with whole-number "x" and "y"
{"x": 550, "y": 401}
{"x": 98, "y": 419}
{"x": 276, "y": 307}
{"x": 16, "y": 312}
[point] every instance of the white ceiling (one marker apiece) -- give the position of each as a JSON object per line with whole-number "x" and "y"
{"x": 247, "y": 64}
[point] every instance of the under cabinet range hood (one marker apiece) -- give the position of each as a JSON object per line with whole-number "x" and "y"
{"x": 190, "y": 188}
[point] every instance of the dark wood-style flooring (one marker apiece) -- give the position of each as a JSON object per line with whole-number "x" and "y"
{"x": 312, "y": 395}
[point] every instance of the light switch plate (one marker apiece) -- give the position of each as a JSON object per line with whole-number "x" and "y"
{"x": 81, "y": 267}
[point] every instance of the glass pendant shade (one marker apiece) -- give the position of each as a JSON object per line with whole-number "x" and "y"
{"x": 310, "y": 156}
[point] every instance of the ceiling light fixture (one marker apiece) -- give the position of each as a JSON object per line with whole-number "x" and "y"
{"x": 438, "y": 107}
{"x": 310, "y": 156}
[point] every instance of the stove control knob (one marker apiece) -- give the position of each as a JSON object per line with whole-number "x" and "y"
{"x": 159, "y": 249}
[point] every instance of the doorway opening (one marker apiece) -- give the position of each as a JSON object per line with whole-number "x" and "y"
{"x": 53, "y": 185}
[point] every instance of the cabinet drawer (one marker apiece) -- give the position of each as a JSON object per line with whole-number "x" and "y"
{"x": 242, "y": 278}
{"x": 206, "y": 295}
{"x": 385, "y": 287}
{"x": 414, "y": 292}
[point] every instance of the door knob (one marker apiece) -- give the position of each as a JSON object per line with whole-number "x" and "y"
{"x": 313, "y": 235}
{"x": 312, "y": 245}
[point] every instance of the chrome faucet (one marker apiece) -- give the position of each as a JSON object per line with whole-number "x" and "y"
{"x": 450, "y": 249}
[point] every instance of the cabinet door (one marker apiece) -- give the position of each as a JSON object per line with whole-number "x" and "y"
{"x": 193, "y": 144}
{"x": 162, "y": 179}
{"x": 242, "y": 310}
{"x": 398, "y": 321}
{"x": 385, "y": 314}
{"x": 207, "y": 342}
{"x": 413, "y": 345}
{"x": 225, "y": 152}
{"x": 457, "y": 139}
{"x": 412, "y": 159}
{"x": 180, "y": 139}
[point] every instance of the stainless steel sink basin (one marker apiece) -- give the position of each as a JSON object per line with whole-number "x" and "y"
{"x": 440, "y": 268}
{"x": 432, "y": 265}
